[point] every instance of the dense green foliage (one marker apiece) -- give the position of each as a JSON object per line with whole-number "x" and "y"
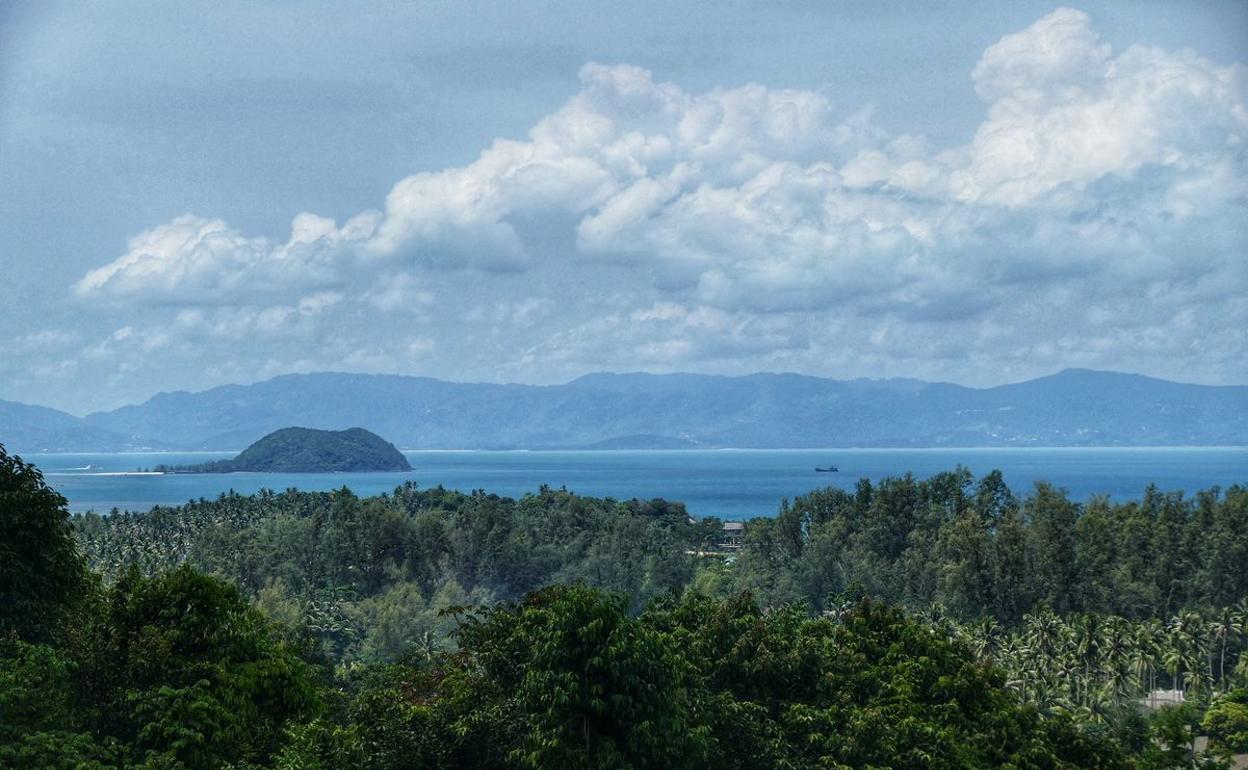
{"x": 1226, "y": 721}
{"x": 306, "y": 450}
{"x": 977, "y": 550}
{"x": 432, "y": 629}
{"x": 1091, "y": 666}
{"x": 567, "y": 678}
{"x": 172, "y": 671}
{"x": 373, "y": 572}
{"x": 369, "y": 576}
{"x": 40, "y": 565}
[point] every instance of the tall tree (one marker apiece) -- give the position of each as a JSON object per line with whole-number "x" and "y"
{"x": 42, "y": 574}
{"x": 1053, "y": 518}
{"x": 577, "y": 683}
{"x": 964, "y": 553}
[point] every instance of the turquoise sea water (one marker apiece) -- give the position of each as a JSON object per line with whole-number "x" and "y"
{"x": 732, "y": 484}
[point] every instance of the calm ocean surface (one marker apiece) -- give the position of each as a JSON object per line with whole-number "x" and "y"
{"x": 727, "y": 483}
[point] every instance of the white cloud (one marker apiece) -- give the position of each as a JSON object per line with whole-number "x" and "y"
{"x": 45, "y": 341}
{"x": 1099, "y": 204}
{"x": 1053, "y": 57}
{"x": 1065, "y": 112}
{"x": 197, "y": 260}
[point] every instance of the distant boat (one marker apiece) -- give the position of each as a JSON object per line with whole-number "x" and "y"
{"x": 829, "y": 469}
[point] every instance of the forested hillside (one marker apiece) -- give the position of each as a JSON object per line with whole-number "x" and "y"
{"x": 433, "y": 629}
{"x": 307, "y": 450}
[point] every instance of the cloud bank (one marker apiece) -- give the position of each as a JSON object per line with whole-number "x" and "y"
{"x": 1097, "y": 216}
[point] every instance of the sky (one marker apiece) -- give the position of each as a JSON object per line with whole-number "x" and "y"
{"x": 194, "y": 194}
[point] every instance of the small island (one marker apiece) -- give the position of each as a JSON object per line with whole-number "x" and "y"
{"x": 307, "y": 450}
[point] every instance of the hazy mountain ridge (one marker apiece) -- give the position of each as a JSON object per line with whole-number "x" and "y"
{"x": 1072, "y": 408}
{"x": 23, "y": 426}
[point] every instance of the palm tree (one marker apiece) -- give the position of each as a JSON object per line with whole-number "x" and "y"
{"x": 1222, "y": 630}
{"x": 1149, "y": 641}
{"x": 1044, "y": 632}
{"x": 1185, "y": 648}
{"x": 1241, "y": 626}
{"x": 984, "y": 637}
{"x": 1096, "y": 708}
{"x": 1086, "y": 648}
{"x": 1014, "y": 658}
{"x": 936, "y": 616}
{"x": 1117, "y": 647}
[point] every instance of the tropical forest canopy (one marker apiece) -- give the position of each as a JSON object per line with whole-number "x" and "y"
{"x": 943, "y": 623}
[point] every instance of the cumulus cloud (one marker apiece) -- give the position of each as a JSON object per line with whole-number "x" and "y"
{"x": 1099, "y": 204}
{"x": 1053, "y": 57}
{"x": 1065, "y": 112}
{"x": 197, "y": 260}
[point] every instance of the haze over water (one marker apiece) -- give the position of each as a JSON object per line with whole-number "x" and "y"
{"x": 732, "y": 484}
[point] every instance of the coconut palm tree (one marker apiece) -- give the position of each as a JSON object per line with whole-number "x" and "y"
{"x": 1240, "y": 613}
{"x": 984, "y": 638}
{"x": 1085, "y": 650}
{"x": 1117, "y": 647}
{"x": 1044, "y": 631}
{"x": 1186, "y": 649}
{"x": 1222, "y": 631}
{"x": 936, "y": 616}
{"x": 1016, "y": 660}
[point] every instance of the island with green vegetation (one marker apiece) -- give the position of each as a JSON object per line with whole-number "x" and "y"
{"x": 940, "y": 623}
{"x": 307, "y": 450}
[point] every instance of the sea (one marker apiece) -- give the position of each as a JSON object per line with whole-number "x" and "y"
{"x": 729, "y": 483}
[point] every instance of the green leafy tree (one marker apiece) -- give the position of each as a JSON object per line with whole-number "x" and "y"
{"x": 576, "y": 683}
{"x": 42, "y": 574}
{"x": 39, "y": 729}
{"x": 1172, "y": 742}
{"x": 188, "y": 671}
{"x": 1226, "y": 721}
{"x": 1052, "y": 534}
{"x": 964, "y": 553}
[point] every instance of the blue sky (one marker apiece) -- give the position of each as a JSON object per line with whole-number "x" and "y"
{"x": 196, "y": 194}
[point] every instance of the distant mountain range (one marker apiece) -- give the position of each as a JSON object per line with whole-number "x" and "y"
{"x": 1076, "y": 407}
